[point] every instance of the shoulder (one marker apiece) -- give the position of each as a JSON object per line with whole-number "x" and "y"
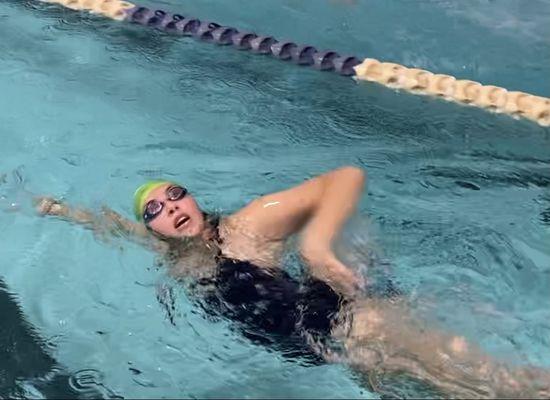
{"x": 239, "y": 241}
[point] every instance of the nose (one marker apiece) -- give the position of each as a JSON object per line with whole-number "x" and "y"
{"x": 172, "y": 209}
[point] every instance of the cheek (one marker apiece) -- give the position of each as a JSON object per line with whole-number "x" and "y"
{"x": 197, "y": 213}
{"x": 191, "y": 207}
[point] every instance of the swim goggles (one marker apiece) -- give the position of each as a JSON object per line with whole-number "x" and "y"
{"x": 154, "y": 207}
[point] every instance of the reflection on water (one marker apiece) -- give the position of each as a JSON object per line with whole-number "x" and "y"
{"x": 458, "y": 196}
{"x": 26, "y": 367}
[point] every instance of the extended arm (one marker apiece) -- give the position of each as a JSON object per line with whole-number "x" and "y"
{"x": 105, "y": 222}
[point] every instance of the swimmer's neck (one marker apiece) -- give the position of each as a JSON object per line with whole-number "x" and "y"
{"x": 210, "y": 234}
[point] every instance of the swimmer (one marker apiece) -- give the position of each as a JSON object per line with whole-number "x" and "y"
{"x": 234, "y": 264}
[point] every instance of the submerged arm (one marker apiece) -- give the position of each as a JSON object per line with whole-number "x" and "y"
{"x": 384, "y": 339}
{"x": 106, "y": 222}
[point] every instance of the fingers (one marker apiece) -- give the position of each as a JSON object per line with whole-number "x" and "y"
{"x": 349, "y": 278}
{"x": 48, "y": 206}
{"x": 345, "y": 282}
{"x": 42, "y": 205}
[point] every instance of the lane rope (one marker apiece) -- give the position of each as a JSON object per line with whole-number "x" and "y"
{"x": 392, "y": 75}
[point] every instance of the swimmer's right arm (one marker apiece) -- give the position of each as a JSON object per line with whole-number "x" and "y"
{"x": 108, "y": 221}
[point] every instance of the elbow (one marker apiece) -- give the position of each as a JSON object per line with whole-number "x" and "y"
{"x": 354, "y": 173}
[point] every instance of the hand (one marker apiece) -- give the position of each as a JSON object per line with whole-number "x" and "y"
{"x": 49, "y": 206}
{"x": 342, "y": 278}
{"x": 326, "y": 267}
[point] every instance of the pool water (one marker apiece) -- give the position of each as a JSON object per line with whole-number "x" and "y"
{"x": 458, "y": 197}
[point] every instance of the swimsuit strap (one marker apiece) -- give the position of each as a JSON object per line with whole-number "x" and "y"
{"x": 214, "y": 221}
{"x": 215, "y": 224}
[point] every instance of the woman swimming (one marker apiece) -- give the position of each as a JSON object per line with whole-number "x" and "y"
{"x": 233, "y": 264}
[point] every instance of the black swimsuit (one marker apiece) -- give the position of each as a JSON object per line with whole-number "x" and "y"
{"x": 272, "y": 308}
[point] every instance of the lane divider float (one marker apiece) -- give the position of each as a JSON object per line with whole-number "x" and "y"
{"x": 395, "y": 76}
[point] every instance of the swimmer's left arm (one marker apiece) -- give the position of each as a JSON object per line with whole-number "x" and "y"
{"x": 318, "y": 208}
{"x": 341, "y": 193}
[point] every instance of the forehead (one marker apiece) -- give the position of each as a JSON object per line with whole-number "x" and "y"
{"x": 158, "y": 192}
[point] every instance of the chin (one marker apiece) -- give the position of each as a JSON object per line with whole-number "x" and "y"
{"x": 193, "y": 232}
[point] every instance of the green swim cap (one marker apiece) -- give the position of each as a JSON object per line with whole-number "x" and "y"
{"x": 141, "y": 194}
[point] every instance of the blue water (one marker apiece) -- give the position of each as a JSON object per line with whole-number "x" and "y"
{"x": 459, "y": 198}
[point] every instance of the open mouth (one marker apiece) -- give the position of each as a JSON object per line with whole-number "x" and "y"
{"x": 181, "y": 221}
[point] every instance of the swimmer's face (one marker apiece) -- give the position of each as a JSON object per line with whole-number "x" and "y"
{"x": 179, "y": 215}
